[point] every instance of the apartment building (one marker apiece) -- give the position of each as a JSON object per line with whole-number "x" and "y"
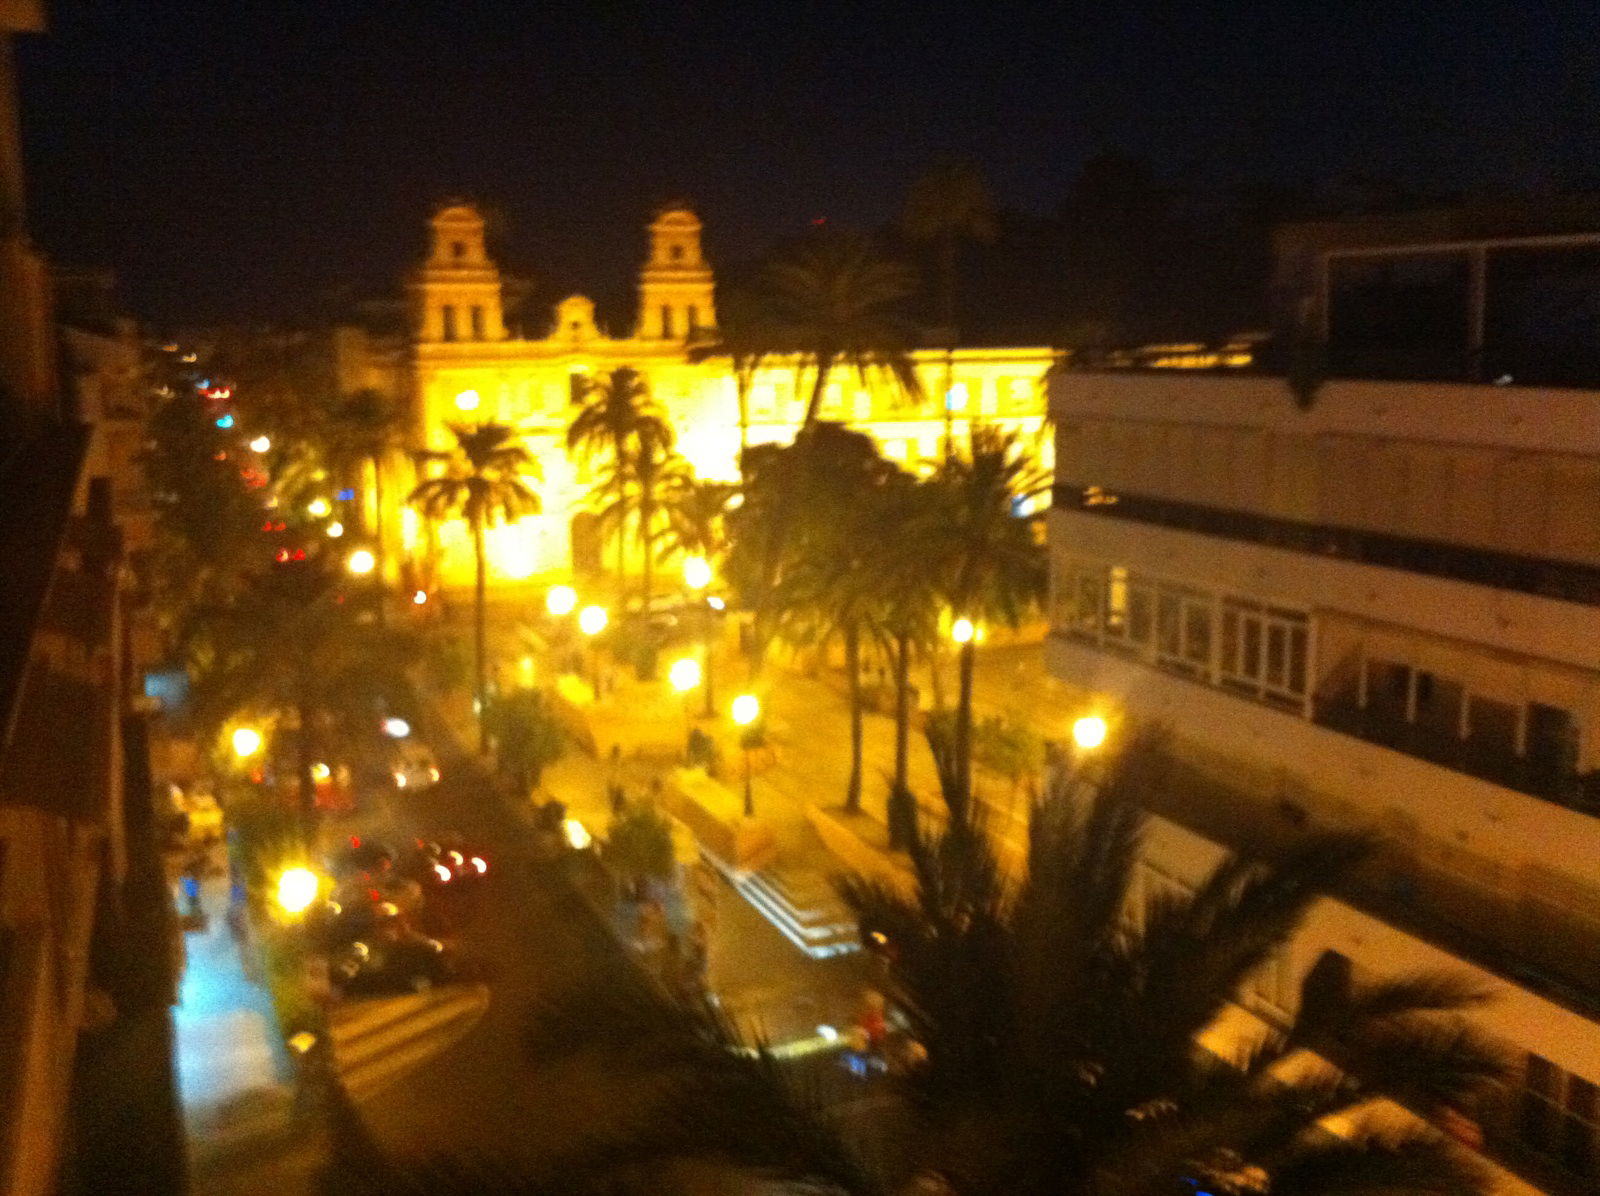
{"x": 1371, "y": 599}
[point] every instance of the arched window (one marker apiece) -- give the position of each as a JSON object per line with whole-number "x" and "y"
{"x": 448, "y": 311}
{"x": 458, "y": 249}
{"x": 666, "y": 322}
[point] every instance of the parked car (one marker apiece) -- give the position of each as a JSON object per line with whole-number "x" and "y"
{"x": 394, "y": 958}
{"x": 446, "y": 860}
{"x": 412, "y": 765}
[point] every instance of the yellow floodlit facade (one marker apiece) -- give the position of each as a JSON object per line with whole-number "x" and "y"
{"x": 466, "y": 367}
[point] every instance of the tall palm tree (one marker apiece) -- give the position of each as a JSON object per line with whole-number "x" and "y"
{"x": 697, "y": 513}
{"x": 484, "y": 483}
{"x": 993, "y": 567}
{"x": 833, "y": 586}
{"x": 746, "y": 336}
{"x": 614, "y": 410}
{"x": 906, "y": 550}
{"x": 1058, "y": 1025}
{"x": 948, "y": 203}
{"x": 364, "y": 428}
{"x": 655, "y": 469}
{"x": 835, "y": 301}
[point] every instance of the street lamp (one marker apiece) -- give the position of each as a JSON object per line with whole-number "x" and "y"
{"x": 261, "y": 444}
{"x": 962, "y": 631}
{"x": 297, "y": 889}
{"x": 361, "y": 562}
{"x": 684, "y": 674}
{"x": 697, "y": 576}
{"x": 746, "y": 709}
{"x": 696, "y": 572}
{"x": 467, "y": 400}
{"x": 246, "y": 742}
{"x": 317, "y": 508}
{"x": 592, "y": 621}
{"x": 334, "y": 530}
{"x": 561, "y": 600}
{"x": 1089, "y": 732}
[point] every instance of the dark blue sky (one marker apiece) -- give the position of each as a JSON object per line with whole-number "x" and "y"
{"x": 230, "y": 157}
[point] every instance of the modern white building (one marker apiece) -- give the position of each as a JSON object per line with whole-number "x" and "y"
{"x": 1377, "y": 605}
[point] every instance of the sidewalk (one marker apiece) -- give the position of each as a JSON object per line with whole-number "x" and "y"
{"x": 235, "y": 1079}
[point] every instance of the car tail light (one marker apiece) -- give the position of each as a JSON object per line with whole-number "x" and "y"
{"x": 478, "y": 863}
{"x": 442, "y": 873}
{"x": 433, "y": 774}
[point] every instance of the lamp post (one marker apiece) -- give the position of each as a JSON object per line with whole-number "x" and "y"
{"x": 746, "y": 709}
{"x": 592, "y": 621}
{"x": 683, "y": 676}
{"x": 697, "y": 576}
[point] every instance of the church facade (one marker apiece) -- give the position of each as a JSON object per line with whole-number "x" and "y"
{"x": 465, "y": 367}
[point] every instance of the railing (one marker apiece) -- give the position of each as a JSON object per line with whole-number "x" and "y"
{"x": 1561, "y": 580}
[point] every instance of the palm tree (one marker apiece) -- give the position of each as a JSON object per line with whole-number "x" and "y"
{"x": 483, "y": 483}
{"x": 655, "y": 467}
{"x": 364, "y": 428}
{"x": 906, "y": 550}
{"x": 1058, "y": 1024}
{"x": 287, "y": 645}
{"x": 993, "y": 562}
{"x": 949, "y": 203}
{"x": 746, "y": 336}
{"x": 834, "y": 300}
{"x": 614, "y": 411}
{"x": 696, "y": 517}
{"x": 833, "y": 587}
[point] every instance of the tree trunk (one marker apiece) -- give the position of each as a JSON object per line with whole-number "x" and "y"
{"x": 647, "y": 511}
{"x": 963, "y": 736}
{"x": 814, "y": 404}
{"x": 742, "y": 382}
{"x": 308, "y": 784}
{"x": 852, "y": 664}
{"x": 902, "y": 712}
{"x": 902, "y": 806}
{"x": 947, "y": 304}
{"x": 480, "y": 637}
{"x": 377, "y": 535}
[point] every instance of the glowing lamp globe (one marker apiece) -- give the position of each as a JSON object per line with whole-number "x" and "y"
{"x": 592, "y": 620}
{"x": 684, "y": 674}
{"x": 297, "y": 889}
{"x": 317, "y": 508}
{"x": 696, "y": 572}
{"x": 1089, "y": 732}
{"x": 361, "y": 562}
{"x": 246, "y": 742}
{"x": 261, "y": 444}
{"x": 746, "y": 709}
{"x": 561, "y": 600}
{"x": 467, "y": 400}
{"x": 962, "y": 631}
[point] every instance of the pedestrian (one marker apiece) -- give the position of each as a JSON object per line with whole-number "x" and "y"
{"x": 618, "y": 798}
{"x": 194, "y": 869}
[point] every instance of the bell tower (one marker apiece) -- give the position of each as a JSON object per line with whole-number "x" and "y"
{"x": 456, "y": 294}
{"x": 676, "y": 288}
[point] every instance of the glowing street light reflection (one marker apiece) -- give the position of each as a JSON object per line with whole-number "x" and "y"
{"x": 297, "y": 889}
{"x": 696, "y": 572}
{"x": 561, "y": 600}
{"x": 684, "y": 674}
{"x": 1089, "y": 732}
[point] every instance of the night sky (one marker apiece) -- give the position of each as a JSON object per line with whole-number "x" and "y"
{"x": 234, "y": 159}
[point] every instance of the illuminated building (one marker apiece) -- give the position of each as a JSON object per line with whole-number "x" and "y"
{"x": 1376, "y": 605}
{"x": 466, "y": 367}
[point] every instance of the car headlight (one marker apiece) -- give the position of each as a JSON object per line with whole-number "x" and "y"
{"x": 400, "y": 780}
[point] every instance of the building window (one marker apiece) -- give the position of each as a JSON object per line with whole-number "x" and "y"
{"x": 577, "y": 387}
{"x": 1560, "y": 1117}
{"x": 675, "y": 253}
{"x": 666, "y": 322}
{"x": 458, "y": 249}
{"x": 694, "y": 318}
{"x": 477, "y": 322}
{"x": 449, "y": 326}
{"x": 1264, "y": 651}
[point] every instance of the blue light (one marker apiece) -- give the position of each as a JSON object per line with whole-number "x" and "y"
{"x": 345, "y": 495}
{"x": 225, "y": 422}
